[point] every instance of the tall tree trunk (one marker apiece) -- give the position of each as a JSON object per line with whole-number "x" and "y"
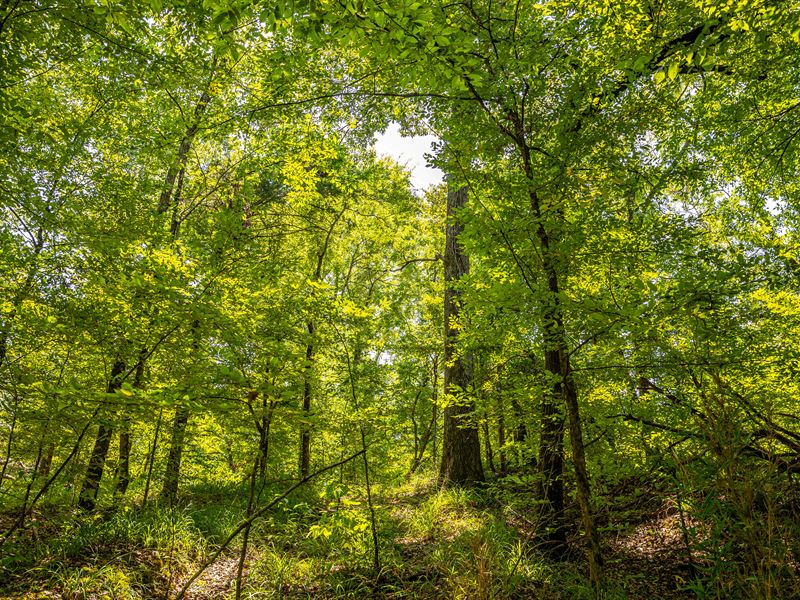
{"x": 423, "y": 444}
{"x": 308, "y": 371}
{"x": 501, "y": 434}
{"x": 151, "y": 457}
{"x": 520, "y": 436}
{"x": 169, "y": 492}
{"x": 123, "y": 474}
{"x": 551, "y": 453}
{"x": 558, "y": 368}
{"x": 47, "y": 461}
{"x": 435, "y": 401}
{"x": 10, "y": 442}
{"x": 487, "y": 437}
{"x": 305, "y": 426}
{"x": 170, "y": 198}
{"x": 94, "y": 472}
{"x": 263, "y": 425}
{"x": 176, "y": 169}
{"x": 582, "y": 476}
{"x": 461, "y": 449}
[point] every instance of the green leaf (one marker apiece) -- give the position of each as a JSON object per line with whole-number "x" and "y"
{"x": 672, "y": 71}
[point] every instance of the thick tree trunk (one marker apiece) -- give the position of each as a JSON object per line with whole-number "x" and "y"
{"x": 551, "y": 451}
{"x": 97, "y": 461}
{"x": 461, "y": 449}
{"x": 169, "y": 492}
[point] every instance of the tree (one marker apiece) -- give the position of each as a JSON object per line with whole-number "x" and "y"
{"x": 461, "y": 451}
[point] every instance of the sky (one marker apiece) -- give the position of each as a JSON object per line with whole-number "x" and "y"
{"x": 409, "y": 151}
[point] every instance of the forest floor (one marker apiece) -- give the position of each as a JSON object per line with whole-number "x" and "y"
{"x": 317, "y": 544}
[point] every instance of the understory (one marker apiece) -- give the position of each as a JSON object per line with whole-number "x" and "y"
{"x": 433, "y": 543}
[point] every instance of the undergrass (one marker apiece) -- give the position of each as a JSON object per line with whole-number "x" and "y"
{"x": 433, "y": 543}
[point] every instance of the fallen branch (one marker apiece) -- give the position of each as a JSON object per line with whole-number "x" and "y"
{"x": 249, "y": 521}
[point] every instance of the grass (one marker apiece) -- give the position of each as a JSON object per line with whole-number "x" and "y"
{"x": 434, "y": 543}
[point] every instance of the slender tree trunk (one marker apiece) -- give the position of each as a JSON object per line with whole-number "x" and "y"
{"x": 10, "y": 442}
{"x": 263, "y": 432}
{"x": 151, "y": 456}
{"x": 123, "y": 474}
{"x": 47, "y": 461}
{"x": 435, "y": 401}
{"x": 308, "y": 370}
{"x": 177, "y": 167}
{"x": 501, "y": 434}
{"x": 170, "y": 199}
{"x": 27, "y": 508}
{"x": 582, "y": 477}
{"x": 560, "y": 373}
{"x": 352, "y": 372}
{"x": 488, "y": 440}
{"x": 461, "y": 449}
{"x": 423, "y": 444}
{"x": 305, "y": 426}
{"x": 169, "y": 492}
{"x": 246, "y": 535}
{"x": 97, "y": 461}
{"x": 415, "y": 426}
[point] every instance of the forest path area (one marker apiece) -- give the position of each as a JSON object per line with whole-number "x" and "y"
{"x": 433, "y": 543}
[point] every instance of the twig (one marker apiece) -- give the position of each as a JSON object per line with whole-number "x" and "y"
{"x": 247, "y": 522}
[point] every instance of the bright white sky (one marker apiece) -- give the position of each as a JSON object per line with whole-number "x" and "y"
{"x": 409, "y": 151}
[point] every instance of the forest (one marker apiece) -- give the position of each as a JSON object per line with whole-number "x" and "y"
{"x": 243, "y": 356}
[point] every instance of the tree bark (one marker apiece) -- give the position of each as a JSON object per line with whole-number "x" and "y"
{"x": 423, "y": 444}
{"x": 563, "y": 388}
{"x": 305, "y": 427}
{"x": 94, "y": 472}
{"x": 435, "y": 401}
{"x": 47, "y": 461}
{"x": 169, "y": 492}
{"x": 501, "y": 434}
{"x": 123, "y": 474}
{"x": 170, "y": 198}
{"x": 151, "y": 456}
{"x": 263, "y": 423}
{"x": 308, "y": 371}
{"x": 176, "y": 169}
{"x": 461, "y": 450}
